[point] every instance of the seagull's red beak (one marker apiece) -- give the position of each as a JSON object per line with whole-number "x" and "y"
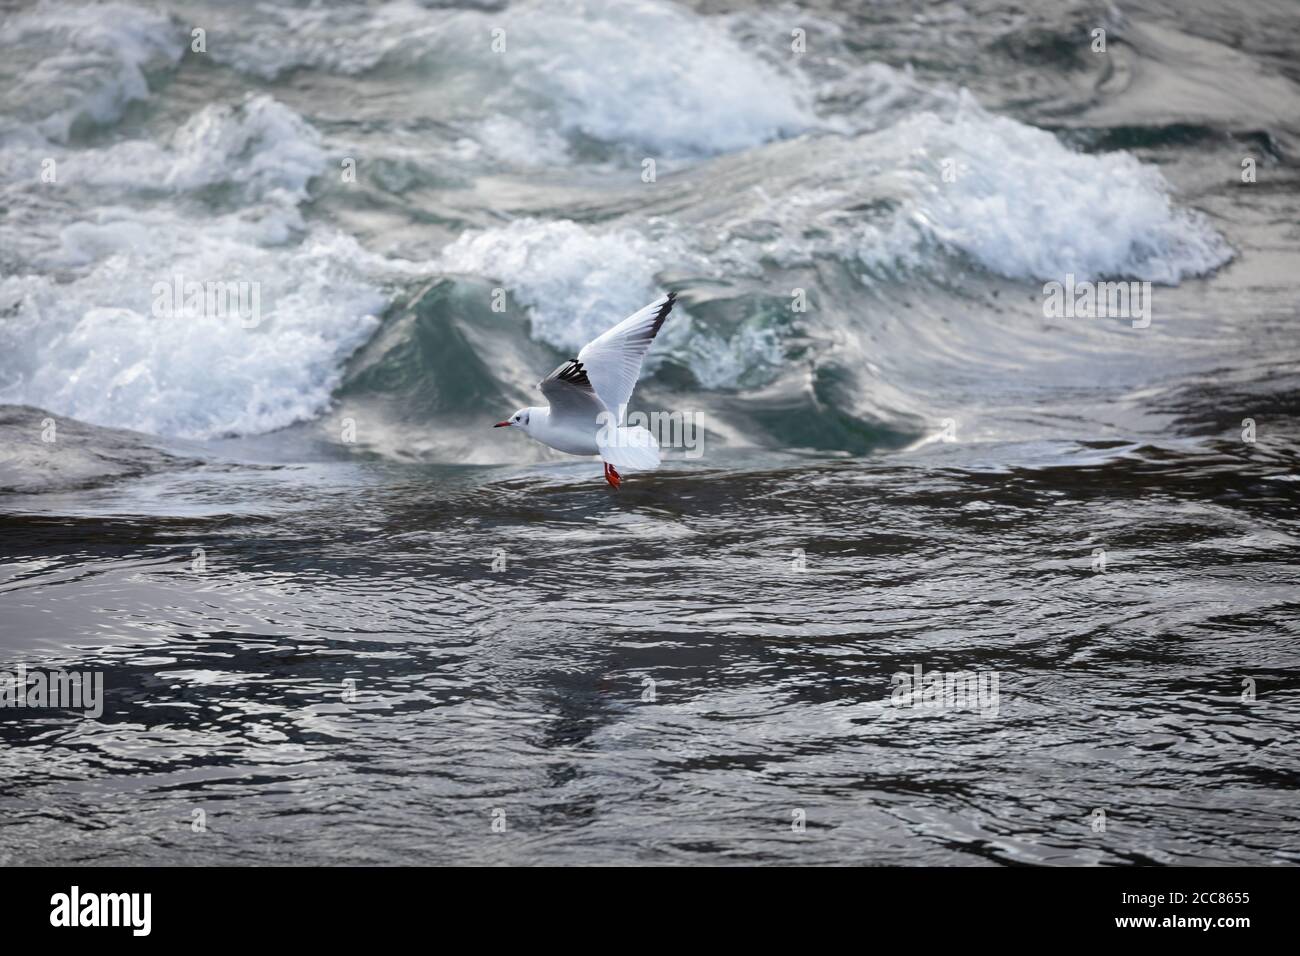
{"x": 502, "y": 424}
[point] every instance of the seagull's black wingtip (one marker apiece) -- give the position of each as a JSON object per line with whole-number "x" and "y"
{"x": 662, "y": 315}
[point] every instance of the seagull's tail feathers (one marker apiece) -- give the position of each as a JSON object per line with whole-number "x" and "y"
{"x": 633, "y": 448}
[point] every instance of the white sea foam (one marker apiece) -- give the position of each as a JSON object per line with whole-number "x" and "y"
{"x": 1026, "y": 206}
{"x": 258, "y": 147}
{"x": 578, "y": 281}
{"x": 269, "y": 40}
{"x": 641, "y": 74}
{"x": 653, "y": 75}
{"x": 98, "y": 343}
{"x": 98, "y": 348}
{"x": 218, "y": 197}
{"x": 1020, "y": 203}
{"x": 82, "y": 63}
{"x": 956, "y": 178}
{"x": 572, "y": 279}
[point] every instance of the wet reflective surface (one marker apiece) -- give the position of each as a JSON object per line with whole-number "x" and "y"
{"x": 527, "y": 689}
{"x": 339, "y": 619}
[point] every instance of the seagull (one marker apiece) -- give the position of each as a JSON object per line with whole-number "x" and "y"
{"x": 589, "y": 396}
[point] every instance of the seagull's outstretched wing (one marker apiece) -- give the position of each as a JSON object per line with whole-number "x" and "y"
{"x": 613, "y": 361}
{"x": 569, "y": 391}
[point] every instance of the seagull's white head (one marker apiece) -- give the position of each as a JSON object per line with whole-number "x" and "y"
{"x": 519, "y": 419}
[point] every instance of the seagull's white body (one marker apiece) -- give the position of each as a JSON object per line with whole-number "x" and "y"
{"x": 566, "y": 436}
{"x": 589, "y": 396}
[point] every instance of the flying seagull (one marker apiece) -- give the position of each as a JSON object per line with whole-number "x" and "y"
{"x": 589, "y": 396}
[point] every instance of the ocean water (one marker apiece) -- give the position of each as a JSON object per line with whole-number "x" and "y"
{"x": 338, "y": 619}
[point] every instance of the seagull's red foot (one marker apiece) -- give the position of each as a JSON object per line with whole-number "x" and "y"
{"x": 612, "y": 476}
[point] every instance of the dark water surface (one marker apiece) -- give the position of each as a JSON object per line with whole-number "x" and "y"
{"x": 439, "y": 644}
{"x": 523, "y": 689}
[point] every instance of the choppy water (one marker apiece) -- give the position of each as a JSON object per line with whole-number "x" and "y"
{"x": 920, "y": 469}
